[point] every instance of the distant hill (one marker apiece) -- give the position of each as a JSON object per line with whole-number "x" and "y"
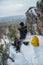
{"x": 20, "y": 18}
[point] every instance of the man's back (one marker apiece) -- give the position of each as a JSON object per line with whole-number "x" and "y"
{"x": 23, "y": 32}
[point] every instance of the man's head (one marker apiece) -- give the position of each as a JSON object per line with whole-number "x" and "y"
{"x": 21, "y": 23}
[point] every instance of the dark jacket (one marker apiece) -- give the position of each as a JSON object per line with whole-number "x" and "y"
{"x": 23, "y": 32}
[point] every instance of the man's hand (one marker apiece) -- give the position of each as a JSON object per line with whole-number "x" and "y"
{"x": 18, "y": 26}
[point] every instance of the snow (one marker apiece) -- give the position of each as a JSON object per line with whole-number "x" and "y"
{"x": 29, "y": 55}
{"x": 18, "y": 58}
{"x": 34, "y": 55}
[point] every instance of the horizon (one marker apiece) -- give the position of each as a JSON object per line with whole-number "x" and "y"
{"x": 12, "y": 16}
{"x": 15, "y": 8}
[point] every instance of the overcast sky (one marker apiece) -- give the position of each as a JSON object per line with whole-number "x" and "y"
{"x": 15, "y": 7}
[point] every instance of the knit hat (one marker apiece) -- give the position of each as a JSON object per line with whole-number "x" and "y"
{"x": 22, "y": 23}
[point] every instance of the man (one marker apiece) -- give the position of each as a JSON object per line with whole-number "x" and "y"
{"x": 23, "y": 30}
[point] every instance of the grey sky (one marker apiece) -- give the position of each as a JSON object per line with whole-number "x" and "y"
{"x": 15, "y": 7}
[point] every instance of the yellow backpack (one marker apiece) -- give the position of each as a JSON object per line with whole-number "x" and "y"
{"x": 34, "y": 41}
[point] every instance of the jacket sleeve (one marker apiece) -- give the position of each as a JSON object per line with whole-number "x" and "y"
{"x": 25, "y": 30}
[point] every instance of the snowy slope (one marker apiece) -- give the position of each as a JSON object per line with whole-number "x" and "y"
{"x": 29, "y": 55}
{"x": 34, "y": 55}
{"x": 18, "y": 58}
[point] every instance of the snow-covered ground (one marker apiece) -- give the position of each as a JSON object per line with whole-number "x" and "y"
{"x": 29, "y": 55}
{"x": 34, "y": 55}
